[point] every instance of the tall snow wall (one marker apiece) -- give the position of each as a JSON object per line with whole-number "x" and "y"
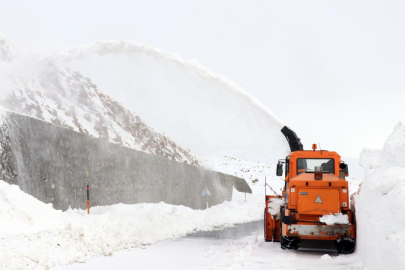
{"x": 380, "y": 205}
{"x": 55, "y": 164}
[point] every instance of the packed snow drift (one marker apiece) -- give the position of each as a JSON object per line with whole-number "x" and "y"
{"x": 380, "y": 204}
{"x": 205, "y": 112}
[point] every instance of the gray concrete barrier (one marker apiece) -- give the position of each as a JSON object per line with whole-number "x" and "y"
{"x": 55, "y": 164}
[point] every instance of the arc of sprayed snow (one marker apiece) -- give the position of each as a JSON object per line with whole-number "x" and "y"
{"x": 129, "y": 47}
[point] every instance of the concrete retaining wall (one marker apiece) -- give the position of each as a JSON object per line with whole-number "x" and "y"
{"x": 55, "y": 164}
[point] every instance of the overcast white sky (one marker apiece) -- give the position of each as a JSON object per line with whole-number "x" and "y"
{"x": 331, "y": 70}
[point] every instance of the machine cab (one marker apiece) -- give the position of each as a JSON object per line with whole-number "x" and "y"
{"x": 307, "y": 161}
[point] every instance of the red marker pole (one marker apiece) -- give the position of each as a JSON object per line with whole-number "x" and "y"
{"x": 88, "y": 200}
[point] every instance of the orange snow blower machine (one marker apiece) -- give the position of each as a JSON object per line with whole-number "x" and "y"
{"x": 314, "y": 205}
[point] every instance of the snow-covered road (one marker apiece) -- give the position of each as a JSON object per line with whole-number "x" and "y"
{"x": 36, "y": 236}
{"x": 240, "y": 247}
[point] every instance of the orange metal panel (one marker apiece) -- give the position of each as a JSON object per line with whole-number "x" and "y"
{"x": 318, "y": 201}
{"x": 306, "y": 180}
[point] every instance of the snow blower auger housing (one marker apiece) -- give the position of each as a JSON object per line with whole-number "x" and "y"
{"x": 314, "y": 204}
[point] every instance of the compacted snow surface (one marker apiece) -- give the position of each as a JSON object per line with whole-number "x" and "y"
{"x": 248, "y": 252}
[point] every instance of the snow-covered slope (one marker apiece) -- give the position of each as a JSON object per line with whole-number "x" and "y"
{"x": 8, "y": 50}
{"x": 253, "y": 172}
{"x": 48, "y": 91}
{"x": 204, "y": 111}
{"x": 380, "y": 205}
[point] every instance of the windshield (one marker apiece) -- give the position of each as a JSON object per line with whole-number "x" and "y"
{"x": 308, "y": 164}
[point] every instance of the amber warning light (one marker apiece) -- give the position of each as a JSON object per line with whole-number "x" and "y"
{"x": 314, "y": 146}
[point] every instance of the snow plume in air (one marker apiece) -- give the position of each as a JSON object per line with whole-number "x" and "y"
{"x": 204, "y": 111}
{"x": 44, "y": 89}
{"x": 380, "y": 204}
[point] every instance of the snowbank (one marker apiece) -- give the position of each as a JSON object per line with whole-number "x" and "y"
{"x": 35, "y": 236}
{"x": 380, "y": 205}
{"x": 21, "y": 213}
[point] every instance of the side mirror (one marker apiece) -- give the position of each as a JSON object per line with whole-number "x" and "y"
{"x": 344, "y": 168}
{"x": 279, "y": 169}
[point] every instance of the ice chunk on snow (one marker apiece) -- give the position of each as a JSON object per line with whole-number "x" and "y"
{"x": 335, "y": 219}
{"x": 326, "y": 257}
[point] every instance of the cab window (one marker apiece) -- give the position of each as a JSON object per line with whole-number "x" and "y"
{"x": 308, "y": 165}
